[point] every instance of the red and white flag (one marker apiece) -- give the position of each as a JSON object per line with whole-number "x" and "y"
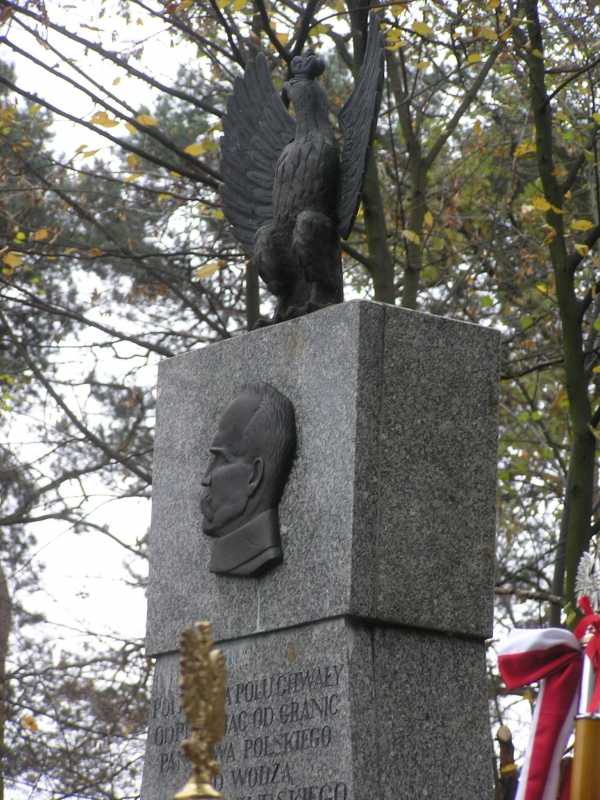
{"x": 553, "y": 657}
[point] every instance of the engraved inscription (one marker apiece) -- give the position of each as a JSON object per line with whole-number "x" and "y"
{"x": 287, "y": 727}
{"x": 168, "y": 728}
{"x": 271, "y": 722}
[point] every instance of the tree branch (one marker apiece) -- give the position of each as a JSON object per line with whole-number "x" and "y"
{"x": 121, "y": 142}
{"x": 120, "y": 62}
{"x": 467, "y": 100}
{"x": 285, "y": 54}
{"x": 89, "y": 435}
{"x": 150, "y": 131}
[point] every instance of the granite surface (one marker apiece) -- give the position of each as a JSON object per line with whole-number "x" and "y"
{"x": 438, "y": 459}
{"x": 433, "y": 724}
{"x": 389, "y": 511}
{"x": 337, "y": 710}
{"x": 288, "y": 709}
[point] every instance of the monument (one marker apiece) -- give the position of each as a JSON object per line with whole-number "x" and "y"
{"x": 355, "y": 654}
{"x": 325, "y": 495}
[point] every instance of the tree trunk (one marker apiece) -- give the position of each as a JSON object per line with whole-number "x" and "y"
{"x": 583, "y": 446}
{"x": 252, "y": 296}
{"x": 381, "y": 265}
{"x": 508, "y": 774}
{"x": 5, "y": 624}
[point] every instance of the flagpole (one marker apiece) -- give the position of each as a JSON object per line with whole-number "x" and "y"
{"x": 585, "y": 775}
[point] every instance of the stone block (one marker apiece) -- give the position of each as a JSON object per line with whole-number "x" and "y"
{"x": 337, "y": 710}
{"x": 389, "y": 511}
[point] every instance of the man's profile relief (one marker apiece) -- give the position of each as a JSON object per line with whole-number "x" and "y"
{"x": 251, "y": 457}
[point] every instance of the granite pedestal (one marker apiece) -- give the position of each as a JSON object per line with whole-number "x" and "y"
{"x": 356, "y": 668}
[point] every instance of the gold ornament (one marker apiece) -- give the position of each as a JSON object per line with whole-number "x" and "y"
{"x": 202, "y": 686}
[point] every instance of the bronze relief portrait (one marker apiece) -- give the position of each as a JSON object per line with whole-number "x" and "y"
{"x": 251, "y": 456}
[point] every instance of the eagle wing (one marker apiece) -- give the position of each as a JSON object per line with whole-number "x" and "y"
{"x": 256, "y": 127}
{"x": 358, "y": 120}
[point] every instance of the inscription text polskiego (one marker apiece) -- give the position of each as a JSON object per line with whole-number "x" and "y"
{"x": 270, "y": 722}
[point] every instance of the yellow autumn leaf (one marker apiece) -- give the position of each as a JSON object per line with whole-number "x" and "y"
{"x": 395, "y": 46}
{"x": 223, "y": 4}
{"x": 175, "y": 174}
{"x": 239, "y": 4}
{"x": 131, "y": 160}
{"x": 541, "y": 203}
{"x": 164, "y": 196}
{"x": 147, "y": 120}
{"x": 95, "y": 251}
{"x": 133, "y": 177}
{"x": 582, "y": 249}
{"x": 393, "y": 34}
{"x": 28, "y": 722}
{"x": 582, "y": 225}
{"x": 596, "y": 368}
{"x": 40, "y": 235}
{"x": 428, "y": 218}
{"x": 422, "y": 64}
{"x": 594, "y": 431}
{"x": 185, "y": 4}
{"x": 422, "y": 28}
{"x": 116, "y": 81}
{"x": 12, "y": 259}
{"x": 90, "y": 153}
{"x": 411, "y": 236}
{"x": 283, "y": 37}
{"x": 506, "y": 33}
{"x": 218, "y": 214}
{"x": 556, "y": 209}
{"x": 596, "y": 118}
{"x": 195, "y": 149}
{"x": 474, "y": 58}
{"x": 207, "y": 270}
{"x": 488, "y": 33}
{"x": 80, "y": 149}
{"x": 102, "y": 118}
{"x": 537, "y": 54}
{"x": 131, "y": 128}
{"x": 492, "y": 4}
{"x": 549, "y": 237}
{"x": 561, "y": 116}
{"x": 524, "y": 149}
{"x": 98, "y": 117}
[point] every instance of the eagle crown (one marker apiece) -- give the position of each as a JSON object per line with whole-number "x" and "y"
{"x": 307, "y": 68}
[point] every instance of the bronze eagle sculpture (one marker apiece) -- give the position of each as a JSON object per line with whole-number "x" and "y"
{"x": 287, "y": 194}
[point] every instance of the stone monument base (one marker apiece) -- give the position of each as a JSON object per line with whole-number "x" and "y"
{"x": 356, "y": 668}
{"x": 337, "y": 710}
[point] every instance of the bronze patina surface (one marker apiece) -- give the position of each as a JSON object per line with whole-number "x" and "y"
{"x": 287, "y": 194}
{"x": 251, "y": 457}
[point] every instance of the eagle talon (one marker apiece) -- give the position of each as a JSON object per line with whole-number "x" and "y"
{"x": 265, "y": 323}
{"x": 294, "y": 312}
